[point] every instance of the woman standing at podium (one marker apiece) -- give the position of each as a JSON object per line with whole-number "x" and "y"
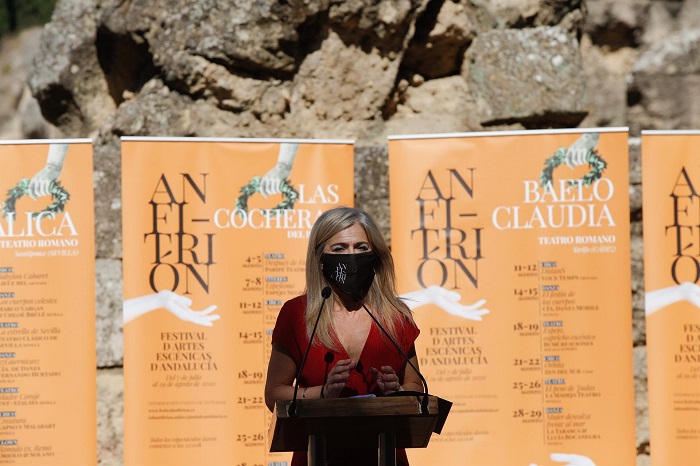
{"x": 350, "y": 356}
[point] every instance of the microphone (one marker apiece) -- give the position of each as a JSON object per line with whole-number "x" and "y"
{"x": 424, "y": 403}
{"x": 325, "y": 294}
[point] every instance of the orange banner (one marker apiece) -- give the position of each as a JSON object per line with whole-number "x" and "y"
{"x": 671, "y": 178}
{"x": 513, "y": 251}
{"x": 215, "y": 235}
{"x": 47, "y": 304}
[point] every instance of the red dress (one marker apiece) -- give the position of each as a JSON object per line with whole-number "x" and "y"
{"x": 290, "y": 333}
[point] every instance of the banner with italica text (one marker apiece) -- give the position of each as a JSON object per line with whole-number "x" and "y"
{"x": 215, "y": 235}
{"x": 671, "y": 195}
{"x": 47, "y": 303}
{"x": 513, "y": 250}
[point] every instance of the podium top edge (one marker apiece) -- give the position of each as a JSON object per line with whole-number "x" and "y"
{"x": 358, "y": 407}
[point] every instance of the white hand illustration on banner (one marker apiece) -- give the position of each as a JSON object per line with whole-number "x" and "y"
{"x": 578, "y": 151}
{"x": 172, "y": 302}
{"x": 271, "y": 182}
{"x": 40, "y": 183}
{"x": 448, "y": 301}
{"x": 659, "y": 299}
{"x": 570, "y": 459}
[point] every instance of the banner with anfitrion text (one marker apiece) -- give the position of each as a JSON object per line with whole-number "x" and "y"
{"x": 671, "y": 195}
{"x": 47, "y": 303}
{"x": 215, "y": 235}
{"x": 512, "y": 248}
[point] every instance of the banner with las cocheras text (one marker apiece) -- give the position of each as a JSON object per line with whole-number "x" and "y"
{"x": 512, "y": 249}
{"x": 215, "y": 235}
{"x": 47, "y": 303}
{"x": 671, "y": 199}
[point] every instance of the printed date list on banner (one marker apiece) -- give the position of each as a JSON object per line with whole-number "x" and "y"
{"x": 215, "y": 235}
{"x": 47, "y": 304}
{"x": 513, "y": 251}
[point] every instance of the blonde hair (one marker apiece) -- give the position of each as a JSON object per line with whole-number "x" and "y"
{"x": 381, "y": 298}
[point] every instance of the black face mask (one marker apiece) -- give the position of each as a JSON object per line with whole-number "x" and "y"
{"x": 351, "y": 273}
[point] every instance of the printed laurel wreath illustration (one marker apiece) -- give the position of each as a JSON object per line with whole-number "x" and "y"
{"x": 290, "y": 196}
{"x": 596, "y": 162}
{"x": 580, "y": 152}
{"x": 59, "y": 195}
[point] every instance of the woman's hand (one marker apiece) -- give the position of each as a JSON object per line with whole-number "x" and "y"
{"x": 387, "y": 380}
{"x": 337, "y": 378}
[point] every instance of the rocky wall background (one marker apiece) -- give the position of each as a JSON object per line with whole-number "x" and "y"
{"x": 357, "y": 69}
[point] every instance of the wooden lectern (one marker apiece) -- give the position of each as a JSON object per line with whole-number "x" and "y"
{"x": 388, "y": 422}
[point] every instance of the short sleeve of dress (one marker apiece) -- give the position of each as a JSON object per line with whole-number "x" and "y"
{"x": 290, "y": 328}
{"x": 409, "y": 333}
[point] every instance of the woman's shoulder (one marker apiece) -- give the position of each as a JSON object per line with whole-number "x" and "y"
{"x": 405, "y": 321}
{"x": 294, "y": 306}
{"x": 298, "y": 301}
{"x": 291, "y": 315}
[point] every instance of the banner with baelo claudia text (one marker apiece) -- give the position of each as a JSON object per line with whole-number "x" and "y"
{"x": 512, "y": 249}
{"x": 47, "y": 303}
{"x": 671, "y": 200}
{"x": 215, "y": 235}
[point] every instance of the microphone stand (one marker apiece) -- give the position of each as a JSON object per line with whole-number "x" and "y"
{"x": 291, "y": 410}
{"x": 424, "y": 402}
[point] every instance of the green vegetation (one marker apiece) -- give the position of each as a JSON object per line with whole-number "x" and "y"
{"x": 16, "y": 15}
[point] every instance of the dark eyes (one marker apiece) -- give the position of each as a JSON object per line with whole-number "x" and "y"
{"x": 340, "y": 248}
